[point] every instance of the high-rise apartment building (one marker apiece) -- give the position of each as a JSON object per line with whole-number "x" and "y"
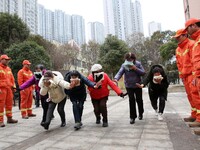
{"x": 191, "y": 8}
{"x": 78, "y": 29}
{"x": 137, "y": 21}
{"x": 59, "y": 34}
{"x": 122, "y": 18}
{"x": 25, "y": 9}
{"x": 96, "y": 32}
{"x": 153, "y": 27}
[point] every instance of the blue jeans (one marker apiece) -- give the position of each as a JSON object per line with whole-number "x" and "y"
{"x": 77, "y": 110}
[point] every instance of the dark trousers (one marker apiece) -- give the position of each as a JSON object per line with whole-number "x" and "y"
{"x": 37, "y": 98}
{"x": 77, "y": 110}
{"x": 154, "y": 100}
{"x": 100, "y": 108}
{"x": 45, "y": 106}
{"x": 135, "y": 95}
{"x": 60, "y": 109}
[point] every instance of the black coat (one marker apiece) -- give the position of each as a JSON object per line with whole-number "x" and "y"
{"x": 78, "y": 92}
{"x": 158, "y": 89}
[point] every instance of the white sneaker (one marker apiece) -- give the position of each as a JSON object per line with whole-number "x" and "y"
{"x": 160, "y": 118}
{"x": 156, "y": 112}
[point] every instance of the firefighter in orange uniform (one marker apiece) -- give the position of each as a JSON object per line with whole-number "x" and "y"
{"x": 7, "y": 86}
{"x": 193, "y": 28}
{"x": 26, "y": 95}
{"x": 184, "y": 64}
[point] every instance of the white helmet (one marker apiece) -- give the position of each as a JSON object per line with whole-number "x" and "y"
{"x": 96, "y": 67}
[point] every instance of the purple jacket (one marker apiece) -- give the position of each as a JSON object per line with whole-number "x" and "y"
{"x": 29, "y": 83}
{"x": 131, "y": 77}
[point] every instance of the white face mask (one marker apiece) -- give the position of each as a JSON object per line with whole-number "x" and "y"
{"x": 98, "y": 76}
{"x": 157, "y": 77}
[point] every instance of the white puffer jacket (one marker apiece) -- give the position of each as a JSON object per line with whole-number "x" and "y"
{"x": 56, "y": 88}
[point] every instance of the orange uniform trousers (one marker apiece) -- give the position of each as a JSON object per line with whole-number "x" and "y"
{"x": 197, "y": 102}
{"x": 26, "y": 101}
{"x": 192, "y": 96}
{"x": 6, "y": 101}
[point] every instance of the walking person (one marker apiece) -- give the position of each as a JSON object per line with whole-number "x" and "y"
{"x": 77, "y": 94}
{"x": 100, "y": 95}
{"x": 34, "y": 80}
{"x": 157, "y": 89}
{"x": 132, "y": 71}
{"x": 184, "y": 65}
{"x": 7, "y": 86}
{"x": 192, "y": 26}
{"x": 53, "y": 83}
{"x": 23, "y": 75}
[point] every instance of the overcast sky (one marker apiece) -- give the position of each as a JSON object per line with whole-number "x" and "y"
{"x": 169, "y": 13}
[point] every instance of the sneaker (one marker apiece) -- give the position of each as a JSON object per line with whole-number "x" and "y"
{"x": 132, "y": 121}
{"x": 77, "y": 125}
{"x": 105, "y": 124}
{"x": 81, "y": 123}
{"x": 160, "y": 118}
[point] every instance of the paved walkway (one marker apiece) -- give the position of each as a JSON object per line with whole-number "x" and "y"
{"x": 146, "y": 134}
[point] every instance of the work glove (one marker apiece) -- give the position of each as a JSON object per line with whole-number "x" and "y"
{"x": 123, "y": 95}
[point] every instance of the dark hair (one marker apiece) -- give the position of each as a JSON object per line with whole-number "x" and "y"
{"x": 198, "y": 24}
{"x": 129, "y": 56}
{"x": 156, "y": 70}
{"x": 74, "y": 73}
{"x": 39, "y": 66}
{"x": 48, "y": 73}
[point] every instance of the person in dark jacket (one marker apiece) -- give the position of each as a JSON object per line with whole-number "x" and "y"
{"x": 132, "y": 71}
{"x": 77, "y": 94}
{"x": 157, "y": 88}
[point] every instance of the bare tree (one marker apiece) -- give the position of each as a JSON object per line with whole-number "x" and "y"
{"x": 64, "y": 56}
{"x": 90, "y": 53}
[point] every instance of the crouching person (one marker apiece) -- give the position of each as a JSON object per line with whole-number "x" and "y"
{"x": 100, "y": 95}
{"x": 77, "y": 94}
{"x": 53, "y": 83}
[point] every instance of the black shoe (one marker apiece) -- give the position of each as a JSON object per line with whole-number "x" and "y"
{"x": 63, "y": 124}
{"x": 105, "y": 124}
{"x": 42, "y": 123}
{"x": 45, "y": 125}
{"x": 140, "y": 117}
{"x": 132, "y": 121}
{"x": 98, "y": 121}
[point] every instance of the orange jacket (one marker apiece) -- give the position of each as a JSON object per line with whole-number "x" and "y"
{"x": 196, "y": 53}
{"x": 23, "y": 75}
{"x": 183, "y": 57}
{"x": 6, "y": 77}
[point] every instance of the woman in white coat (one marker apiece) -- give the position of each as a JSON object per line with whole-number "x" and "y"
{"x": 53, "y": 83}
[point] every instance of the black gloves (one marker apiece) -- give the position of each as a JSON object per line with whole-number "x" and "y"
{"x": 123, "y": 95}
